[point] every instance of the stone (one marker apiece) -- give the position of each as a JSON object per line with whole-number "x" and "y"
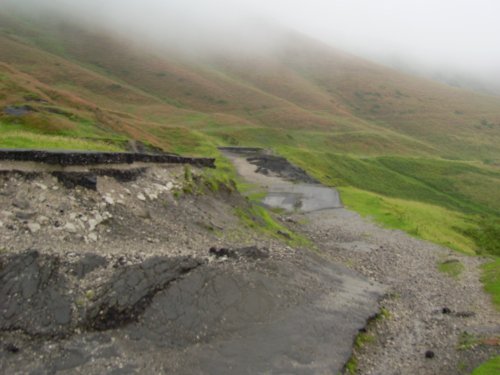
{"x": 446, "y": 310}
{"x": 252, "y": 252}
{"x": 73, "y": 179}
{"x": 70, "y": 227}
{"x": 42, "y": 220}
{"x": 34, "y": 227}
{"x": 152, "y": 196}
{"x": 109, "y": 200}
{"x": 20, "y": 203}
{"x": 143, "y": 212}
{"x": 284, "y": 234}
{"x": 11, "y": 348}
{"x": 25, "y": 215}
{"x": 92, "y": 224}
{"x": 6, "y": 214}
{"x": 429, "y": 354}
{"x": 92, "y": 237}
{"x": 141, "y": 197}
{"x": 18, "y": 111}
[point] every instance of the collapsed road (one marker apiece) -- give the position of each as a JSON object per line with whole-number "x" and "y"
{"x": 108, "y": 270}
{"x": 286, "y": 186}
{"x": 432, "y": 323}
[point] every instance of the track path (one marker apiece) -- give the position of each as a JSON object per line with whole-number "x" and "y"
{"x": 428, "y": 311}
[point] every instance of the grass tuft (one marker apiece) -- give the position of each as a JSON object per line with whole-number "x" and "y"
{"x": 451, "y": 267}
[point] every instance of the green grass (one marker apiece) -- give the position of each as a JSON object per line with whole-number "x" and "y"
{"x": 451, "y": 267}
{"x": 434, "y": 181}
{"x": 467, "y": 341}
{"x": 351, "y": 367}
{"x": 491, "y": 367}
{"x": 422, "y": 220}
{"x": 24, "y": 139}
{"x": 362, "y": 339}
{"x": 46, "y": 133}
{"x": 486, "y": 234}
{"x": 258, "y": 218}
{"x": 491, "y": 280}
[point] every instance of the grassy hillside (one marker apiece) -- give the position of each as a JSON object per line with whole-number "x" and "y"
{"x": 414, "y": 154}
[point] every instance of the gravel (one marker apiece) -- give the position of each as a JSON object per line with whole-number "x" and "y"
{"x": 429, "y": 311}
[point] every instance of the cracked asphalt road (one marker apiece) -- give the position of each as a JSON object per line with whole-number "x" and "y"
{"x": 148, "y": 296}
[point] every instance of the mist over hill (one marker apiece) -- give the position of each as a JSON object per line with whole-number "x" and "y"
{"x": 452, "y": 42}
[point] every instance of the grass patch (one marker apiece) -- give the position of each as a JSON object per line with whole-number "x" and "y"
{"x": 422, "y": 220}
{"x": 491, "y": 280}
{"x": 451, "y": 267}
{"x": 206, "y": 181}
{"x": 23, "y": 139}
{"x": 362, "y": 339}
{"x": 38, "y": 131}
{"x": 491, "y": 367}
{"x": 467, "y": 341}
{"x": 486, "y": 234}
{"x": 259, "y": 219}
{"x": 253, "y": 216}
{"x": 351, "y": 367}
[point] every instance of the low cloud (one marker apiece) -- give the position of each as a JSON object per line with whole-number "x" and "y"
{"x": 461, "y": 36}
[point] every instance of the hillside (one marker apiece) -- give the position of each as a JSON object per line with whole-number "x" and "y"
{"x": 395, "y": 139}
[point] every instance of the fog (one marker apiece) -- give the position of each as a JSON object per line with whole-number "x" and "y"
{"x": 450, "y": 39}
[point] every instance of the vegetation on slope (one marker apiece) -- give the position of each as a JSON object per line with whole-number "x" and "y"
{"x": 491, "y": 367}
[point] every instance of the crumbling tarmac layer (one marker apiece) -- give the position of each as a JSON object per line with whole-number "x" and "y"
{"x": 129, "y": 278}
{"x": 72, "y": 158}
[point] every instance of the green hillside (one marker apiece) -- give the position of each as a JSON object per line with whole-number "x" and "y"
{"x": 403, "y": 150}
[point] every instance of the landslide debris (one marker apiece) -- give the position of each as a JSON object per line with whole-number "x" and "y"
{"x": 134, "y": 275}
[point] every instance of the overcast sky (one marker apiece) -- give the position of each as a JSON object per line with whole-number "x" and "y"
{"x": 463, "y": 35}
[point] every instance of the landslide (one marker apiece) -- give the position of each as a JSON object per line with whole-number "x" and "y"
{"x": 159, "y": 273}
